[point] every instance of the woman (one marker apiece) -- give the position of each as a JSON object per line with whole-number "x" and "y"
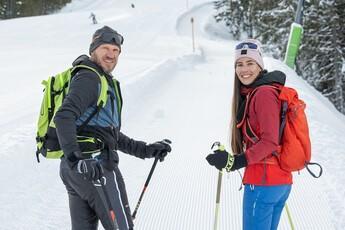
{"x": 255, "y": 139}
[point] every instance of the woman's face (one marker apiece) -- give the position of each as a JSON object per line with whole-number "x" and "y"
{"x": 247, "y": 70}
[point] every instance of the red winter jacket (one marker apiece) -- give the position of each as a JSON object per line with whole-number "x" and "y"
{"x": 264, "y": 118}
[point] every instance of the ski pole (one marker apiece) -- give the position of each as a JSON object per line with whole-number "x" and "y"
{"x": 219, "y": 187}
{"x": 289, "y": 217}
{"x": 108, "y": 204}
{"x": 145, "y": 186}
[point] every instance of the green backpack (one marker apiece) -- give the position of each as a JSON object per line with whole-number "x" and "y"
{"x": 55, "y": 90}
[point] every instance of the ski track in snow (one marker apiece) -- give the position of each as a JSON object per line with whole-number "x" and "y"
{"x": 184, "y": 97}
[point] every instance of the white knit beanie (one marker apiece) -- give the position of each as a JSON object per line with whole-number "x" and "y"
{"x": 250, "y": 48}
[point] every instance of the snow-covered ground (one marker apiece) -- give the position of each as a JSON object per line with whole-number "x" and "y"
{"x": 169, "y": 92}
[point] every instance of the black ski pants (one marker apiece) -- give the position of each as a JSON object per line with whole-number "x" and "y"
{"x": 88, "y": 202}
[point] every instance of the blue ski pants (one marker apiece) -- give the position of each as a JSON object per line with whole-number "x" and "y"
{"x": 263, "y": 205}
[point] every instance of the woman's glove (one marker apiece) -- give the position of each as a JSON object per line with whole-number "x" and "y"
{"x": 222, "y": 159}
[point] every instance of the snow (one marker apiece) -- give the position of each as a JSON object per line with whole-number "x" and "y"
{"x": 169, "y": 92}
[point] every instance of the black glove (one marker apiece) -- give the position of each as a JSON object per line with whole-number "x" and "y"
{"x": 219, "y": 159}
{"x": 91, "y": 168}
{"x": 222, "y": 159}
{"x": 159, "y": 149}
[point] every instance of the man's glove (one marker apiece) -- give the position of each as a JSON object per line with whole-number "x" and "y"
{"x": 159, "y": 149}
{"x": 222, "y": 159}
{"x": 91, "y": 168}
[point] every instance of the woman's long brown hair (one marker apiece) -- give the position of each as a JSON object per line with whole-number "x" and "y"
{"x": 236, "y": 134}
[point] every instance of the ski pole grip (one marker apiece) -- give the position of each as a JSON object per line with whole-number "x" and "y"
{"x": 219, "y": 145}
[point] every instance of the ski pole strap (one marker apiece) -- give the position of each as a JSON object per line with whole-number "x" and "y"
{"x": 230, "y": 163}
{"x": 309, "y": 170}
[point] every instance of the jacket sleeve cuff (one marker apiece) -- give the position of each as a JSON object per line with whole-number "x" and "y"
{"x": 72, "y": 159}
{"x": 240, "y": 162}
{"x": 131, "y": 146}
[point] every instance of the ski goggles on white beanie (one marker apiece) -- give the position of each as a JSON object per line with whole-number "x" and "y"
{"x": 249, "y": 48}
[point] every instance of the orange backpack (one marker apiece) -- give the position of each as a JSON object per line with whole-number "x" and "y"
{"x": 294, "y": 152}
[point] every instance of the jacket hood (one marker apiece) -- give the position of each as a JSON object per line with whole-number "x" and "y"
{"x": 265, "y": 78}
{"x": 268, "y": 78}
{"x": 81, "y": 60}
{"x": 85, "y": 60}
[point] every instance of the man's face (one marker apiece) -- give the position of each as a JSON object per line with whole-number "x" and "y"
{"x": 106, "y": 56}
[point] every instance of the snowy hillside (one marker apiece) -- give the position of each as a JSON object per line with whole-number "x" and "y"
{"x": 169, "y": 92}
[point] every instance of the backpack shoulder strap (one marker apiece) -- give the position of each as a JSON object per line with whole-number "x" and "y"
{"x": 249, "y": 132}
{"x": 102, "y": 99}
{"x": 118, "y": 94}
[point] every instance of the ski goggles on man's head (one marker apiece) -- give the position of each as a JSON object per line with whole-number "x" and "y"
{"x": 110, "y": 37}
{"x": 247, "y": 45}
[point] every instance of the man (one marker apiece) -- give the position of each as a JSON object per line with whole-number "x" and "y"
{"x": 93, "y": 17}
{"x": 95, "y": 187}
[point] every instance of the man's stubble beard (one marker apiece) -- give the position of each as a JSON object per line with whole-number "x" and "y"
{"x": 95, "y": 59}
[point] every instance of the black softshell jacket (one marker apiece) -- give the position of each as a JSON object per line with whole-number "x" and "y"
{"x": 83, "y": 93}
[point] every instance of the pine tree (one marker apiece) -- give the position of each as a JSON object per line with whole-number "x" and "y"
{"x": 322, "y": 51}
{"x": 340, "y": 9}
{"x": 21, "y": 8}
{"x": 2, "y": 10}
{"x": 235, "y": 15}
{"x": 274, "y": 19}
{"x": 224, "y": 14}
